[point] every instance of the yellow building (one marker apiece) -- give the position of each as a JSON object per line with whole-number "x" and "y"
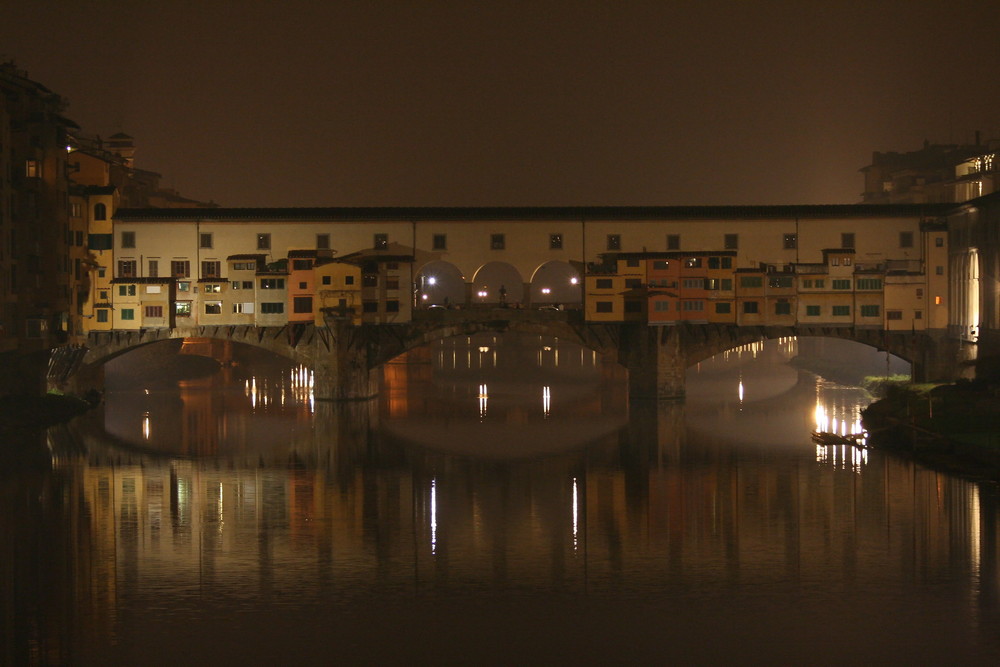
{"x": 338, "y": 290}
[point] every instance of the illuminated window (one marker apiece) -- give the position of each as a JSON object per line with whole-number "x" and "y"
{"x": 937, "y": 301}
{"x": 212, "y": 288}
{"x": 243, "y": 308}
{"x": 182, "y": 309}
{"x": 31, "y": 169}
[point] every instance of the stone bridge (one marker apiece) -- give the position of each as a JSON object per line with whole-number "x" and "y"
{"x": 346, "y": 359}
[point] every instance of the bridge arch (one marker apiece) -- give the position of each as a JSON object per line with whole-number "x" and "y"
{"x": 556, "y": 282}
{"x": 439, "y": 283}
{"x": 496, "y": 282}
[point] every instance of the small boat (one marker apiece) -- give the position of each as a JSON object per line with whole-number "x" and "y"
{"x": 825, "y": 438}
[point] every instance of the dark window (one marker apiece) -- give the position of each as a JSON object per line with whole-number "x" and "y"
{"x": 128, "y": 313}
{"x": 211, "y": 269}
{"x": 100, "y": 212}
{"x": 783, "y": 308}
{"x": 272, "y": 283}
{"x": 938, "y": 241}
{"x": 673, "y": 241}
{"x": 812, "y": 311}
{"x": 869, "y": 311}
{"x": 660, "y": 265}
{"x": 99, "y": 241}
{"x": 751, "y": 281}
{"x": 102, "y": 315}
{"x": 369, "y": 280}
{"x": 348, "y": 280}
{"x": 180, "y": 268}
{"x": 779, "y": 281}
{"x": 751, "y": 307}
{"x": 790, "y": 241}
{"x": 126, "y": 268}
{"x": 154, "y": 268}
{"x": 604, "y": 306}
{"x": 323, "y": 241}
{"x": 126, "y": 290}
{"x": 370, "y": 306}
{"x": 392, "y": 306}
{"x": 906, "y": 239}
{"x": 128, "y": 239}
{"x": 205, "y": 240}
{"x": 841, "y": 310}
{"x": 302, "y": 264}
{"x": 633, "y": 306}
{"x": 272, "y": 308}
{"x": 604, "y": 283}
{"x": 555, "y": 241}
{"x": 440, "y": 242}
{"x": 302, "y": 304}
{"x": 847, "y": 240}
{"x": 731, "y": 241}
{"x": 213, "y": 307}
{"x": 893, "y": 314}
{"x": 614, "y": 241}
{"x": 263, "y": 242}
{"x": 841, "y": 284}
{"x": 381, "y": 241}
{"x": 692, "y": 263}
{"x": 497, "y": 242}
{"x": 633, "y": 283}
{"x": 723, "y": 308}
{"x": 326, "y": 280}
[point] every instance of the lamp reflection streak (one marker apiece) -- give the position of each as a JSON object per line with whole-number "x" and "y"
{"x": 546, "y": 400}
{"x": 576, "y": 509}
{"x": 484, "y": 397}
{"x": 434, "y": 515}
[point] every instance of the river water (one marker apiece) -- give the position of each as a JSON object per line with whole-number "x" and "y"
{"x": 501, "y": 503}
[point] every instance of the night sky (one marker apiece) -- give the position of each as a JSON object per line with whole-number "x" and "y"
{"x": 515, "y": 103}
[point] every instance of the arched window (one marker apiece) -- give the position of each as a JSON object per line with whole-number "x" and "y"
{"x": 100, "y": 212}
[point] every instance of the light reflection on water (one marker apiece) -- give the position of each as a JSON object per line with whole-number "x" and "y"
{"x": 463, "y": 518}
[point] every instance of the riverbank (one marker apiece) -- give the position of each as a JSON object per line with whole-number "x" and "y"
{"x": 954, "y": 427}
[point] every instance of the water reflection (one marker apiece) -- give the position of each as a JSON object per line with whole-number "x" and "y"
{"x": 280, "y": 531}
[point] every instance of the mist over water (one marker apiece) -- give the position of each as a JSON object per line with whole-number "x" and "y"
{"x": 501, "y": 502}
